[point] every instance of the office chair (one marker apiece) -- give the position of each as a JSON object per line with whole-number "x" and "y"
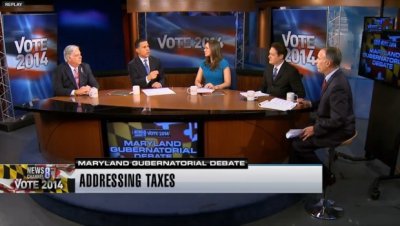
{"x": 325, "y": 208}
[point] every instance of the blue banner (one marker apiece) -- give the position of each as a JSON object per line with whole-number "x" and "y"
{"x": 303, "y": 32}
{"x": 31, "y": 51}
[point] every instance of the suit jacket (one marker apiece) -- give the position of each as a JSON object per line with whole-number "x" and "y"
{"x": 64, "y": 81}
{"x": 335, "y": 120}
{"x": 137, "y": 72}
{"x": 287, "y": 80}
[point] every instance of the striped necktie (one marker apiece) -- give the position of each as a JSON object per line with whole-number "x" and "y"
{"x": 274, "y": 73}
{"x": 76, "y": 77}
{"x": 146, "y": 65}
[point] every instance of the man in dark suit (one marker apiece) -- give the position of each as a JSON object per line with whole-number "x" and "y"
{"x": 281, "y": 77}
{"x": 335, "y": 120}
{"x": 73, "y": 78}
{"x": 145, "y": 70}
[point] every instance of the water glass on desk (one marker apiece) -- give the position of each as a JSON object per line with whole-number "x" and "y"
{"x": 192, "y": 90}
{"x": 290, "y": 96}
{"x": 136, "y": 90}
{"x": 251, "y": 95}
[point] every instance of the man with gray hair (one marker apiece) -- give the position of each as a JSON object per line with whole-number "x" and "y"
{"x": 335, "y": 120}
{"x": 73, "y": 77}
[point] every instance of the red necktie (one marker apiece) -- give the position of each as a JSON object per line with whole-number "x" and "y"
{"x": 324, "y": 85}
{"x": 76, "y": 77}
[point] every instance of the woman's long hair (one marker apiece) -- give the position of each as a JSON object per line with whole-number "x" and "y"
{"x": 215, "y": 57}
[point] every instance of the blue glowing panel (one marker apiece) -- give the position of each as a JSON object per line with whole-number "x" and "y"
{"x": 96, "y": 27}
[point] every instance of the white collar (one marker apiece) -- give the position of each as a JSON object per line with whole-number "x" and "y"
{"x": 278, "y": 67}
{"x": 72, "y": 68}
{"x": 143, "y": 59}
{"x": 330, "y": 74}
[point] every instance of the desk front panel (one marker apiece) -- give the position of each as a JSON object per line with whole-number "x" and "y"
{"x": 71, "y": 127}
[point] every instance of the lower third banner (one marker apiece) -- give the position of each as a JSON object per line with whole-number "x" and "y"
{"x": 57, "y": 178}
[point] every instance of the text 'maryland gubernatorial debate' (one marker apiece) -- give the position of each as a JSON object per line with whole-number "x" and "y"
{"x": 160, "y": 176}
{"x": 152, "y": 139}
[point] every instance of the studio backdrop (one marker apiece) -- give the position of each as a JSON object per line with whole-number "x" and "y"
{"x": 31, "y": 52}
{"x": 178, "y": 39}
{"x": 304, "y": 33}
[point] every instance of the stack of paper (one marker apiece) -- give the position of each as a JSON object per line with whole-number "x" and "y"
{"x": 256, "y": 94}
{"x": 294, "y": 133}
{"x": 204, "y": 90}
{"x": 159, "y": 91}
{"x": 278, "y": 104}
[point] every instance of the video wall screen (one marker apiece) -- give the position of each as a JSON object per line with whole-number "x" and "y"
{"x": 178, "y": 39}
{"x": 153, "y": 139}
{"x": 380, "y": 56}
{"x": 378, "y": 23}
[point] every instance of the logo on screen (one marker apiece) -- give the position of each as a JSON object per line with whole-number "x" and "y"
{"x": 139, "y": 133}
{"x": 158, "y": 133}
{"x": 39, "y": 172}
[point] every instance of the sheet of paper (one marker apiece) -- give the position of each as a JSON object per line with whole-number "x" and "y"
{"x": 278, "y": 104}
{"x": 157, "y": 92}
{"x": 294, "y": 133}
{"x": 204, "y": 90}
{"x": 256, "y": 94}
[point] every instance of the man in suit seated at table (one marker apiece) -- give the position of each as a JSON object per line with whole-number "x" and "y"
{"x": 73, "y": 77}
{"x": 335, "y": 121}
{"x": 145, "y": 70}
{"x": 281, "y": 77}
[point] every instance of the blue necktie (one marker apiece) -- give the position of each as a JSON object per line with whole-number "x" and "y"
{"x": 274, "y": 73}
{"x": 146, "y": 65}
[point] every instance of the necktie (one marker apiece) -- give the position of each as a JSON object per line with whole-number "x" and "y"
{"x": 76, "y": 77}
{"x": 146, "y": 65}
{"x": 274, "y": 73}
{"x": 324, "y": 85}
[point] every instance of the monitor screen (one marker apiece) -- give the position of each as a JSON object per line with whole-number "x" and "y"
{"x": 97, "y": 28}
{"x": 378, "y": 23}
{"x": 152, "y": 139}
{"x": 380, "y": 56}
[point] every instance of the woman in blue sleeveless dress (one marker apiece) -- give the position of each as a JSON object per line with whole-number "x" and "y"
{"x": 214, "y": 72}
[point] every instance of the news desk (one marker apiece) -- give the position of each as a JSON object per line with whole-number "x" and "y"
{"x": 71, "y": 127}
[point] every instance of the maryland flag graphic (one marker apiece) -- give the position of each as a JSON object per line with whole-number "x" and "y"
{"x": 38, "y": 178}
